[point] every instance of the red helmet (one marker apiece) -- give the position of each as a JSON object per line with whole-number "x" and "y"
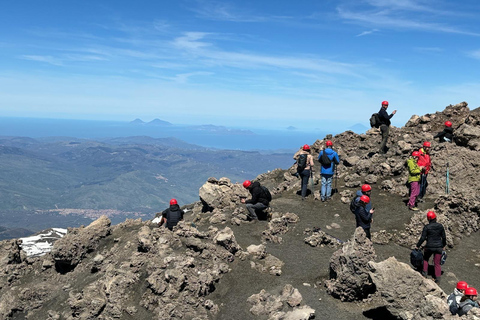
{"x": 385, "y": 103}
{"x": 448, "y": 124}
{"x": 365, "y": 199}
{"x": 431, "y": 215}
{"x": 462, "y": 285}
{"x": 329, "y": 143}
{"x": 470, "y": 292}
{"x": 306, "y": 147}
{"x": 366, "y": 187}
{"x": 427, "y": 144}
{"x": 415, "y": 154}
{"x": 247, "y": 183}
{"x": 173, "y": 201}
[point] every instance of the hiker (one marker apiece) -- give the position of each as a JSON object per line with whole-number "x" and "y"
{"x": 447, "y": 134}
{"x": 328, "y": 160}
{"x": 172, "y": 215}
{"x": 304, "y": 167}
{"x": 384, "y": 119}
{"x": 367, "y": 191}
{"x": 425, "y": 162}
{"x": 364, "y": 217}
{"x": 468, "y": 301}
{"x": 259, "y": 201}
{"x": 434, "y": 233}
{"x": 454, "y": 298}
{"x": 414, "y": 172}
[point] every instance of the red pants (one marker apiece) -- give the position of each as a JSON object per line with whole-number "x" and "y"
{"x": 436, "y": 261}
{"x": 414, "y": 191}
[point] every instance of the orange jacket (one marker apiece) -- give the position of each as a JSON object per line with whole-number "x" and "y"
{"x": 424, "y": 160}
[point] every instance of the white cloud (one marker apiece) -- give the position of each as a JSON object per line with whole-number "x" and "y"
{"x": 46, "y": 59}
{"x": 402, "y": 15}
{"x": 474, "y": 54}
{"x": 364, "y": 33}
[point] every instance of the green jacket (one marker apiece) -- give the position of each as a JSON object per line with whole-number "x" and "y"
{"x": 413, "y": 170}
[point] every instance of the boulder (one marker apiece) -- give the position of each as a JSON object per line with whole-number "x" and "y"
{"x": 349, "y": 279}
{"x": 219, "y": 194}
{"x": 405, "y": 293}
{"x": 77, "y": 243}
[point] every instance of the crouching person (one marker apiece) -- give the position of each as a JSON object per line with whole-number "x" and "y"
{"x": 172, "y": 216}
{"x": 468, "y": 301}
{"x": 455, "y": 297}
{"x": 260, "y": 198}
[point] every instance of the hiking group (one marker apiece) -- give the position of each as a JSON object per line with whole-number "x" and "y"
{"x": 418, "y": 166}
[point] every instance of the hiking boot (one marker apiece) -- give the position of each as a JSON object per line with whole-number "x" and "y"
{"x": 413, "y": 208}
{"x": 303, "y": 198}
{"x": 323, "y": 200}
{"x": 424, "y": 274}
{"x": 420, "y": 200}
{"x": 437, "y": 281}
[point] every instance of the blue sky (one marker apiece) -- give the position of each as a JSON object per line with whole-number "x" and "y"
{"x": 266, "y": 64}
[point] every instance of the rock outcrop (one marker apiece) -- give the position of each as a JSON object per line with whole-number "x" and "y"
{"x": 273, "y": 305}
{"x": 349, "y": 277}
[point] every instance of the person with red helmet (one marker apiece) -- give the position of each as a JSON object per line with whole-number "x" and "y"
{"x": 260, "y": 200}
{"x": 468, "y": 301}
{"x": 363, "y": 218}
{"x": 172, "y": 216}
{"x": 434, "y": 233}
{"x": 304, "y": 167}
{"x": 424, "y": 161}
{"x": 454, "y": 298}
{"x": 328, "y": 160}
{"x": 384, "y": 119}
{"x": 414, "y": 172}
{"x": 365, "y": 190}
{"x": 447, "y": 134}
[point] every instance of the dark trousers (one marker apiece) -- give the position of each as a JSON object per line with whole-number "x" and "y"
{"x": 305, "y": 175}
{"x": 437, "y": 255}
{"x": 367, "y": 232}
{"x": 383, "y": 145}
{"x": 423, "y": 186}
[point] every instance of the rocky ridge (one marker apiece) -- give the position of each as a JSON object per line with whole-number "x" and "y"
{"x": 137, "y": 270}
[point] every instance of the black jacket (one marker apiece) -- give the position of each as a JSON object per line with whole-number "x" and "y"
{"x": 173, "y": 215}
{"x": 258, "y": 195}
{"x": 434, "y": 233}
{"x": 446, "y": 133}
{"x": 384, "y": 116}
{"x": 363, "y": 217}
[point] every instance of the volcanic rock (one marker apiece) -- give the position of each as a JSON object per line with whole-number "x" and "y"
{"x": 349, "y": 279}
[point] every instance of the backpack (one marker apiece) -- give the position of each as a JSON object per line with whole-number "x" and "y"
{"x": 375, "y": 120}
{"x": 267, "y": 193}
{"x": 453, "y": 305}
{"x": 416, "y": 259}
{"x": 354, "y": 204}
{"x": 302, "y": 162}
{"x": 324, "y": 159}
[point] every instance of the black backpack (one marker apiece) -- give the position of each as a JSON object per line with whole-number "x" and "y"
{"x": 324, "y": 159}
{"x": 354, "y": 204}
{"x": 416, "y": 259}
{"x": 267, "y": 193}
{"x": 375, "y": 121}
{"x": 302, "y": 162}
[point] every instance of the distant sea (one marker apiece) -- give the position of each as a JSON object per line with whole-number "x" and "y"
{"x": 207, "y": 136}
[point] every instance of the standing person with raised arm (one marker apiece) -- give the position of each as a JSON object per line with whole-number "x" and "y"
{"x": 384, "y": 118}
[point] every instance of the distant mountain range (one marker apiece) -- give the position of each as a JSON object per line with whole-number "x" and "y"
{"x": 67, "y": 181}
{"x": 154, "y": 122}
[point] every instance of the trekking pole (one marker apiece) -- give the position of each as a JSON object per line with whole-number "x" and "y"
{"x": 313, "y": 183}
{"x": 447, "y": 181}
{"x": 336, "y": 176}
